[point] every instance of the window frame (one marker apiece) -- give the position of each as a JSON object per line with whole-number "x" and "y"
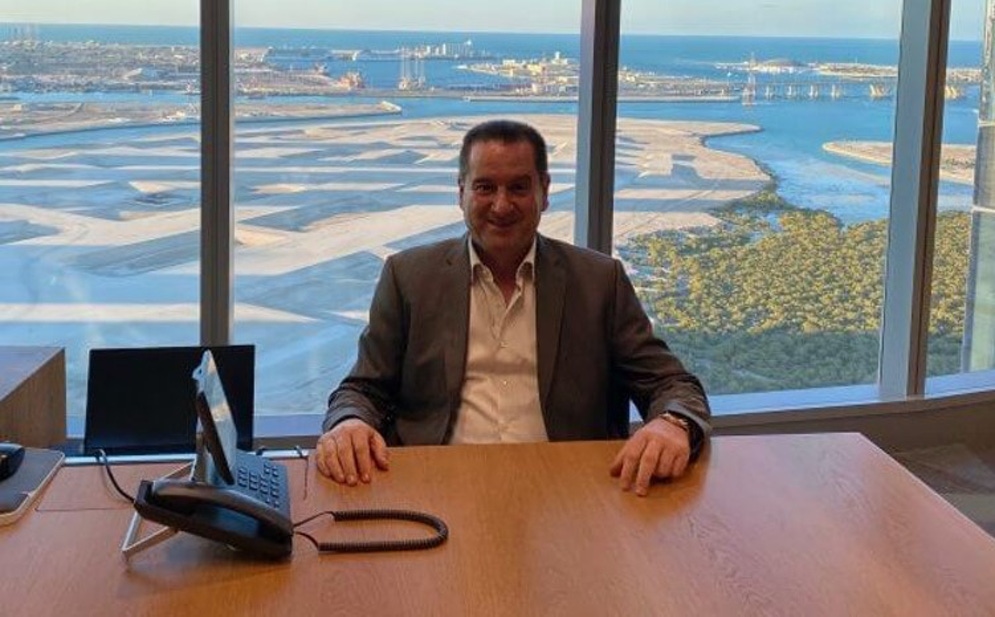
{"x": 902, "y": 384}
{"x": 217, "y": 235}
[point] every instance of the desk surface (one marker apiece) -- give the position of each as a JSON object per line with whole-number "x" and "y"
{"x": 763, "y": 525}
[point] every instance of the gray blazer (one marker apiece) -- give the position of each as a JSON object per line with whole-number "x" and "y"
{"x": 595, "y": 347}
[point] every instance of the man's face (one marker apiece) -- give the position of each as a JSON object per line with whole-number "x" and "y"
{"x": 502, "y": 197}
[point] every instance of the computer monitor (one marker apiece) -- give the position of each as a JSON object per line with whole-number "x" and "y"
{"x": 142, "y": 400}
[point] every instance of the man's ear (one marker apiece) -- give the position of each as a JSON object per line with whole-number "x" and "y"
{"x": 460, "y": 185}
{"x": 545, "y": 192}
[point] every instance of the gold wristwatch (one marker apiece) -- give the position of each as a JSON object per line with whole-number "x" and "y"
{"x": 676, "y": 421}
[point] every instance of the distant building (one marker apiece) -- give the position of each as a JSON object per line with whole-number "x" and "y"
{"x": 144, "y": 73}
{"x": 19, "y": 33}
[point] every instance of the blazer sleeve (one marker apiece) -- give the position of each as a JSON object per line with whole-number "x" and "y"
{"x": 653, "y": 376}
{"x": 368, "y": 392}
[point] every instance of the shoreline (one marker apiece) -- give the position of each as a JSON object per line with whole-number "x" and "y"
{"x": 516, "y": 98}
{"x": 385, "y": 109}
{"x": 957, "y": 161}
{"x": 316, "y": 213}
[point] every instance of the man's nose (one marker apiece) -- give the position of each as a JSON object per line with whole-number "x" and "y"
{"x": 502, "y": 200}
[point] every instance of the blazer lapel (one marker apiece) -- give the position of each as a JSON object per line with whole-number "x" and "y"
{"x": 456, "y": 275}
{"x": 551, "y": 282}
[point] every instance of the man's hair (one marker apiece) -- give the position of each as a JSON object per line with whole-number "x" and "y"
{"x": 509, "y": 132}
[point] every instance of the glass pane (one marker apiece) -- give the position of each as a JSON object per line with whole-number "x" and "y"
{"x": 962, "y": 309}
{"x": 348, "y": 126}
{"x": 99, "y": 180}
{"x": 751, "y": 201}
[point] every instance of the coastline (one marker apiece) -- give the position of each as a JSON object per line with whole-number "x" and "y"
{"x": 100, "y": 230}
{"x": 317, "y": 210}
{"x": 518, "y": 98}
{"x": 384, "y": 108}
{"x": 957, "y": 162}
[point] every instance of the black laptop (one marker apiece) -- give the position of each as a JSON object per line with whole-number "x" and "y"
{"x": 142, "y": 400}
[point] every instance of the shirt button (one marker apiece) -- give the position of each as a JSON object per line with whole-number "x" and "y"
{"x": 503, "y": 344}
{"x": 504, "y": 382}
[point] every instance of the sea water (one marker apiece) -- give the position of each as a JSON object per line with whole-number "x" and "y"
{"x": 789, "y": 145}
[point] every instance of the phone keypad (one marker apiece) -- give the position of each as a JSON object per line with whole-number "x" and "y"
{"x": 262, "y": 479}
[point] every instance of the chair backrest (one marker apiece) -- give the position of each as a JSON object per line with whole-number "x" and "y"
{"x": 141, "y": 400}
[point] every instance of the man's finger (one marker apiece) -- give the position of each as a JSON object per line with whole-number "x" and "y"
{"x": 616, "y": 469}
{"x": 334, "y": 466}
{"x": 319, "y": 459}
{"x": 346, "y": 457}
{"x": 648, "y": 462}
{"x": 665, "y": 468}
{"x": 329, "y": 457}
{"x": 681, "y": 463}
{"x": 361, "y": 449}
{"x": 381, "y": 455}
{"x": 628, "y": 473}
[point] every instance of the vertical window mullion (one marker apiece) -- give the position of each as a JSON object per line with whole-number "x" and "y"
{"x": 597, "y": 97}
{"x": 217, "y": 216}
{"x": 912, "y": 216}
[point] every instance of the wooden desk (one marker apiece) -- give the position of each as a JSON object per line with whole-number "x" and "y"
{"x": 765, "y": 525}
{"x": 33, "y": 395}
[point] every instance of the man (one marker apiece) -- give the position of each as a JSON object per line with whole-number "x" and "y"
{"x": 507, "y": 336}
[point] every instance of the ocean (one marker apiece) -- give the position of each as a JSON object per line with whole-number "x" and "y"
{"x": 789, "y": 144}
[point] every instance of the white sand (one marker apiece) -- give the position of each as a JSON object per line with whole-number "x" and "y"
{"x": 101, "y": 240}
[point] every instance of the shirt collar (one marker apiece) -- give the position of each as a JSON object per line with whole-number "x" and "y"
{"x": 527, "y": 265}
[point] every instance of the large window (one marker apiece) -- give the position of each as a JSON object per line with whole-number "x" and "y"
{"x": 748, "y": 205}
{"x": 962, "y": 304}
{"x": 347, "y": 136}
{"x": 752, "y": 195}
{"x": 99, "y": 182}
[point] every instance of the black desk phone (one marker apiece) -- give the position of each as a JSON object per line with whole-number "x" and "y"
{"x": 231, "y": 496}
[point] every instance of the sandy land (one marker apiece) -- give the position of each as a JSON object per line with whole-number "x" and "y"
{"x": 957, "y": 162}
{"x": 99, "y": 239}
{"x": 19, "y": 120}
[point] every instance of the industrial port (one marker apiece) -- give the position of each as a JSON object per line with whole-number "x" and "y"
{"x": 33, "y": 66}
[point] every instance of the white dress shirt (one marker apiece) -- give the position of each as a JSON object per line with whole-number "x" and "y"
{"x": 500, "y": 395}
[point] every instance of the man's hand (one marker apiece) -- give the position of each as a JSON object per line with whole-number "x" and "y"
{"x": 659, "y": 449}
{"x": 348, "y": 452}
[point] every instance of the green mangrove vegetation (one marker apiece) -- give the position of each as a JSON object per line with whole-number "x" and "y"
{"x": 778, "y": 297}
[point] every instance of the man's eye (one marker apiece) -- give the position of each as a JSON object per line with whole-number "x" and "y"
{"x": 483, "y": 189}
{"x": 520, "y": 189}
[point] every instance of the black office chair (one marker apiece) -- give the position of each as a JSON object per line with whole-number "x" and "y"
{"x": 141, "y": 400}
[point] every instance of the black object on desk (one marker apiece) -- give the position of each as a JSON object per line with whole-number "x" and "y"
{"x": 231, "y": 496}
{"x": 11, "y": 456}
{"x": 19, "y": 491}
{"x": 141, "y": 400}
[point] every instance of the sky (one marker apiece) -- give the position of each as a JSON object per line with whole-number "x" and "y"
{"x": 832, "y": 18}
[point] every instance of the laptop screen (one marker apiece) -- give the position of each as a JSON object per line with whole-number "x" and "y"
{"x": 141, "y": 401}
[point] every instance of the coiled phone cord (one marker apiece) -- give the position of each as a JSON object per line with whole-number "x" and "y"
{"x": 440, "y": 527}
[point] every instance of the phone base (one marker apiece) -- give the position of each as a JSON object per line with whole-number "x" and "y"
{"x": 132, "y": 544}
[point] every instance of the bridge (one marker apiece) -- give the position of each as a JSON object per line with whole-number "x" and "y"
{"x": 815, "y": 90}
{"x": 827, "y": 89}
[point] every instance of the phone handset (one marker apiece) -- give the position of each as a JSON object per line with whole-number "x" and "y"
{"x": 188, "y": 496}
